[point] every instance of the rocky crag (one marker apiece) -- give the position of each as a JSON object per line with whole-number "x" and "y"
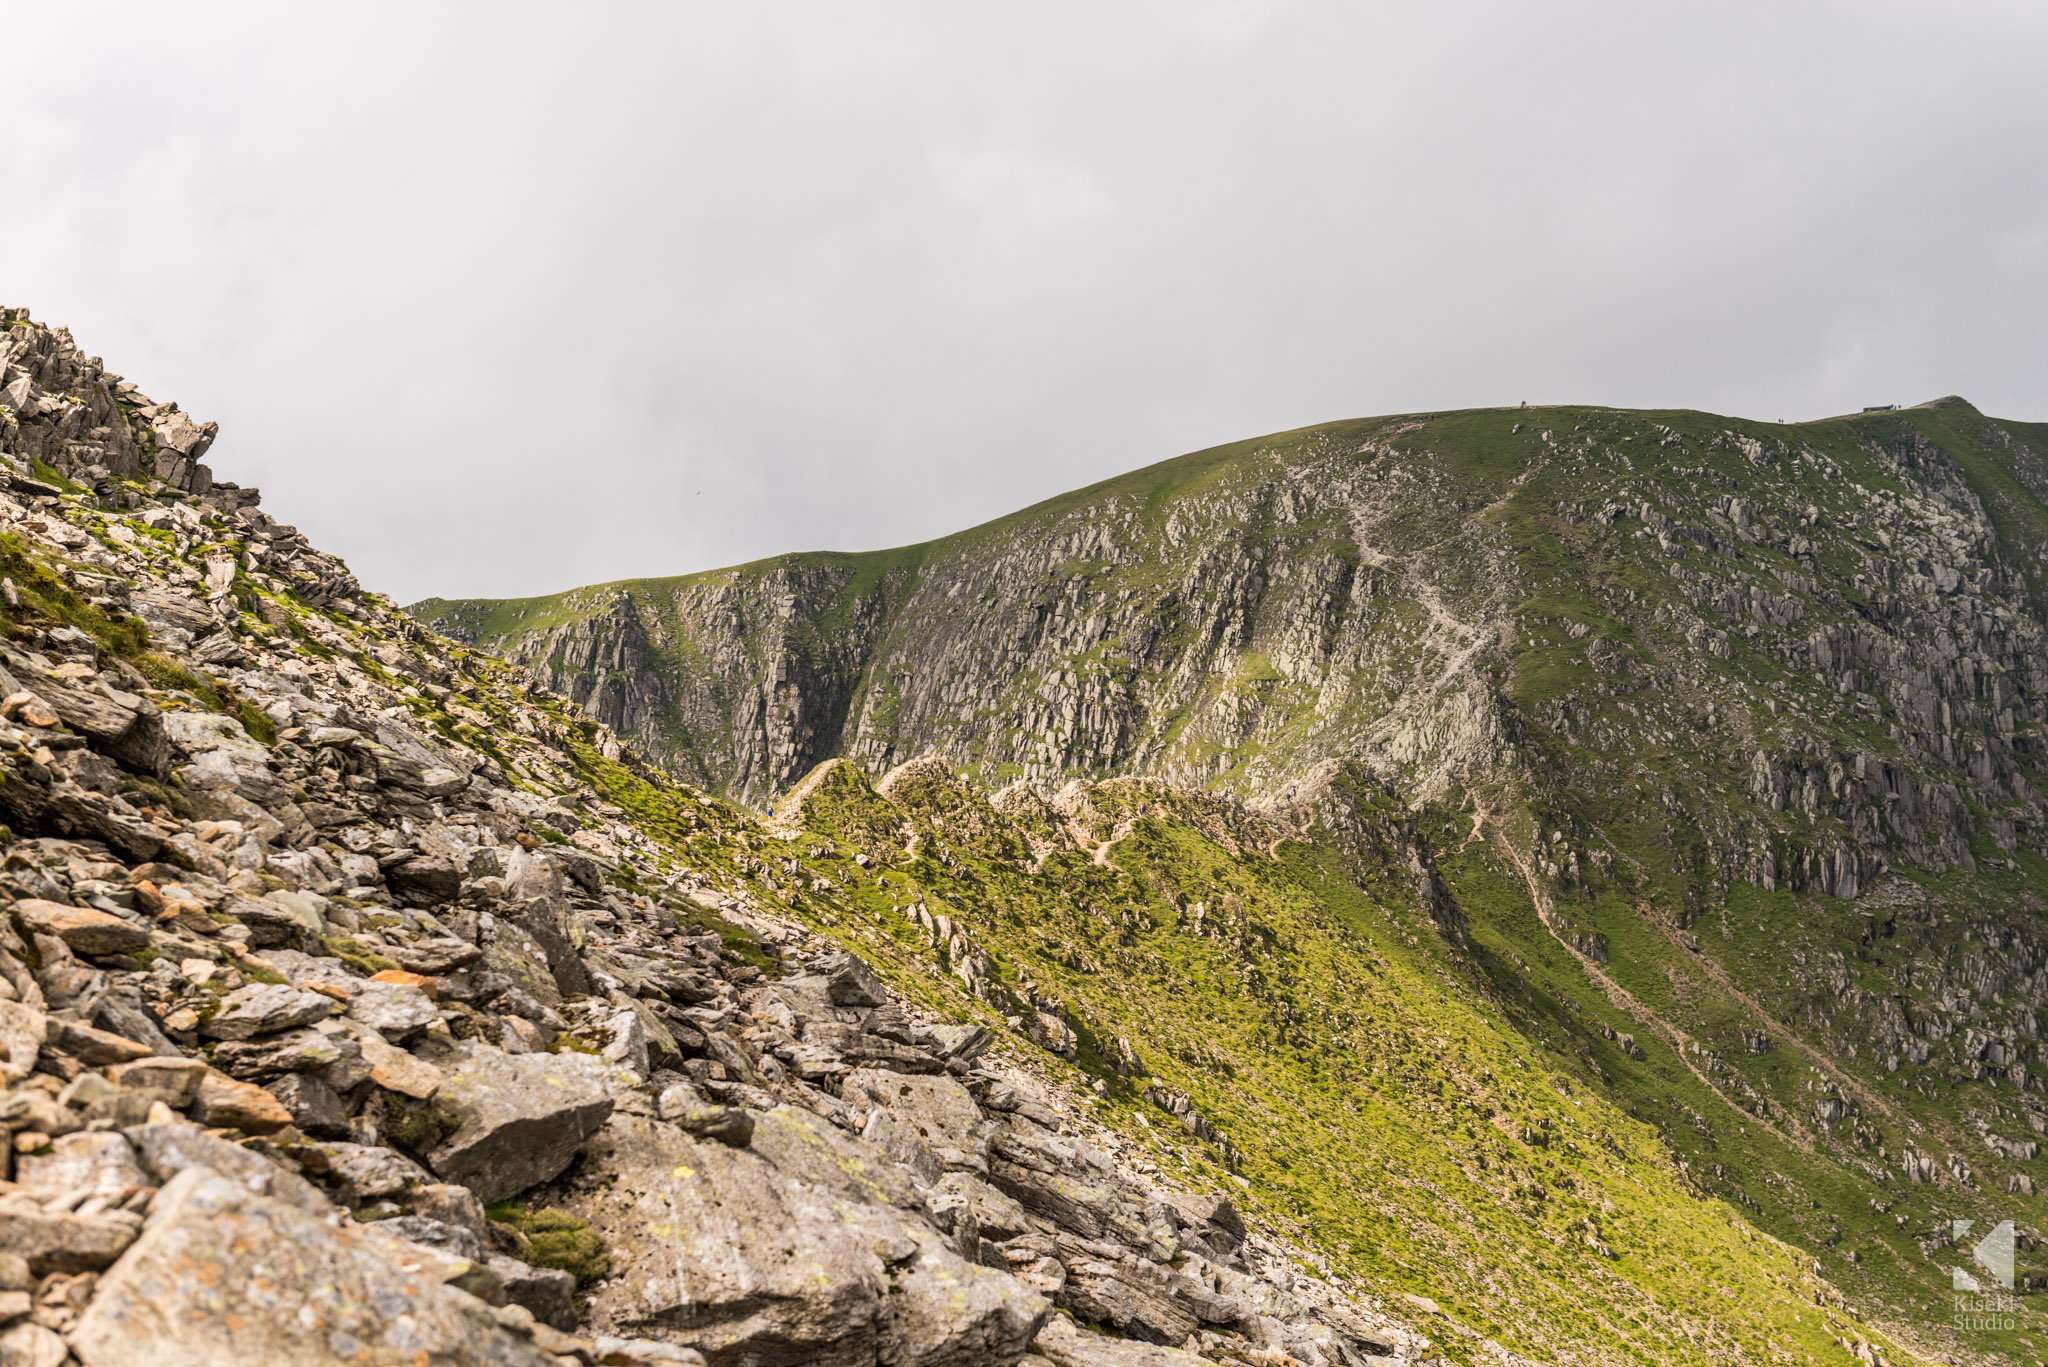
{"x": 345, "y": 1017}
{"x": 1836, "y": 629}
{"x": 1716, "y": 748}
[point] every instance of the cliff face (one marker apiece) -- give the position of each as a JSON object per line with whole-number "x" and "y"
{"x": 1822, "y": 646}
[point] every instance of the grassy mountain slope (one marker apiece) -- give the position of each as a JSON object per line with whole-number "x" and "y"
{"x": 1724, "y": 740}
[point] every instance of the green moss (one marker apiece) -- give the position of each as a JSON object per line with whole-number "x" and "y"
{"x": 50, "y": 474}
{"x": 550, "y": 1237}
{"x": 357, "y": 955}
{"x": 414, "y": 1124}
{"x": 258, "y": 972}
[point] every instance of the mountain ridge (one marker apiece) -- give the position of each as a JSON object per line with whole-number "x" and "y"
{"x": 360, "y": 994}
{"x": 702, "y": 643}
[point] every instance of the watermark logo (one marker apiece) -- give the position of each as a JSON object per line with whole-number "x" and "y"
{"x": 1993, "y": 1252}
{"x": 1978, "y": 1306}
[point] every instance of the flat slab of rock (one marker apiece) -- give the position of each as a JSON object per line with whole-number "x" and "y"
{"x": 222, "y": 1277}
{"x": 524, "y": 1116}
{"x": 94, "y": 1048}
{"x": 64, "y": 1243}
{"x": 395, "y": 1070}
{"x": 226, "y": 1103}
{"x": 802, "y": 1248}
{"x": 84, "y": 930}
{"x": 98, "y": 1161}
{"x": 265, "y": 1009}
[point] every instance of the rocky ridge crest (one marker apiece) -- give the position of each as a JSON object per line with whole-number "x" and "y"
{"x": 1821, "y": 646}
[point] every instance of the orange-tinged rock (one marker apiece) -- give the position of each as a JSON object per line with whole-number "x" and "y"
{"x": 225, "y": 1103}
{"x": 430, "y": 986}
{"x": 85, "y": 930}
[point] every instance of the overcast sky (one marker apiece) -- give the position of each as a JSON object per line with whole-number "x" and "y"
{"x": 496, "y": 300}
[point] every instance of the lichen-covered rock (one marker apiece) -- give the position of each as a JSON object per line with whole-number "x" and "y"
{"x": 800, "y": 1248}
{"x": 266, "y": 1008}
{"x": 168, "y": 1148}
{"x": 938, "y": 1109}
{"x": 520, "y": 1117}
{"x": 1063, "y": 1344}
{"x": 222, "y": 1277}
{"x": 395, "y": 1010}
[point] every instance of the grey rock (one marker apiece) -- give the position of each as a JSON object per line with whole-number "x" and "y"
{"x": 224, "y": 757}
{"x": 121, "y": 1014}
{"x": 395, "y": 1010}
{"x": 728, "y": 1125}
{"x": 1066, "y": 1344}
{"x": 64, "y": 1243}
{"x": 449, "y": 1203}
{"x": 435, "y": 954}
{"x": 22, "y": 1031}
{"x": 289, "y": 1051}
{"x": 1132, "y": 1297}
{"x": 173, "y": 1080}
{"x": 265, "y": 1008}
{"x": 523, "y": 1116}
{"x": 31, "y": 1345}
{"x": 361, "y": 1173}
{"x": 316, "y": 1107}
{"x": 938, "y": 1109}
{"x": 996, "y": 1216}
{"x": 1213, "y": 1216}
{"x": 98, "y": 1161}
{"x": 427, "y": 880}
{"x": 850, "y": 982}
{"x": 225, "y": 1278}
{"x": 1067, "y": 1201}
{"x": 800, "y": 1248}
{"x": 420, "y": 1229}
{"x": 165, "y": 1150}
{"x": 548, "y": 1292}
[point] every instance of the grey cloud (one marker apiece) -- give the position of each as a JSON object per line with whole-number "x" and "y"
{"x": 496, "y": 300}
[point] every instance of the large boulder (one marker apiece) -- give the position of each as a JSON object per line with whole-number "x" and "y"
{"x": 122, "y": 725}
{"x": 938, "y": 1109}
{"x": 805, "y": 1247}
{"x": 222, "y": 1277}
{"x": 1065, "y": 1344}
{"x": 522, "y": 1117}
{"x": 225, "y": 758}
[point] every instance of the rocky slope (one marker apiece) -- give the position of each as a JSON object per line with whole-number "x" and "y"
{"x": 344, "y": 1017}
{"x": 1719, "y": 746}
